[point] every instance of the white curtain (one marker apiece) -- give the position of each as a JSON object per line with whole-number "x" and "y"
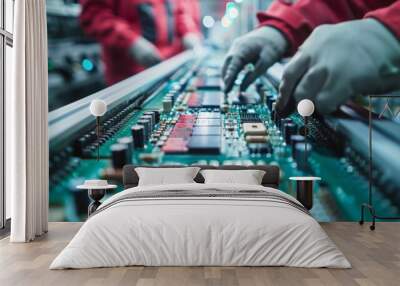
{"x": 26, "y": 119}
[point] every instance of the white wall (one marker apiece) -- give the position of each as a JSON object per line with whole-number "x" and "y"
{"x": 9, "y": 9}
{"x": 9, "y": 63}
{"x": 9, "y": 24}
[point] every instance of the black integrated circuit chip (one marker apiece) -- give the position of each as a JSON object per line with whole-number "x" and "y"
{"x": 206, "y": 131}
{"x": 205, "y": 144}
{"x": 212, "y": 99}
{"x": 208, "y": 115}
{"x": 208, "y": 122}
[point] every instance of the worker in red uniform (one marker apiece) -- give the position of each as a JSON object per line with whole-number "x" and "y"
{"x": 341, "y": 48}
{"x": 136, "y": 34}
{"x": 195, "y": 10}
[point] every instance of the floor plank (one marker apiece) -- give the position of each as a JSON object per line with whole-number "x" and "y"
{"x": 375, "y": 257}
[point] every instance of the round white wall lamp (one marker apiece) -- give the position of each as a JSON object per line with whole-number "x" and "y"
{"x": 98, "y": 107}
{"x": 305, "y": 107}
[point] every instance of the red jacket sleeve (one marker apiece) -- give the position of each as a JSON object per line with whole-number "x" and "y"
{"x": 297, "y": 20}
{"x": 99, "y": 21}
{"x": 389, "y": 16}
{"x": 185, "y": 20}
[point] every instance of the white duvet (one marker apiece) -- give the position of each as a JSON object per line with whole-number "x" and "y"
{"x": 200, "y": 231}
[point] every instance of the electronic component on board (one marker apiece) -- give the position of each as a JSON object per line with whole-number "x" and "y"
{"x": 194, "y": 100}
{"x": 146, "y": 123}
{"x": 157, "y": 115}
{"x": 206, "y": 99}
{"x": 208, "y": 115}
{"x": 119, "y": 155}
{"x": 206, "y": 130}
{"x": 208, "y": 122}
{"x": 181, "y": 132}
{"x": 181, "y": 108}
{"x": 256, "y": 139}
{"x": 230, "y": 127}
{"x": 137, "y": 132}
{"x": 263, "y": 96}
{"x": 150, "y": 157}
{"x": 249, "y": 117}
{"x": 247, "y": 98}
{"x": 179, "y": 136}
{"x": 167, "y": 105}
{"x": 151, "y": 119}
{"x": 212, "y": 99}
{"x": 171, "y": 96}
{"x": 175, "y": 145}
{"x": 205, "y": 144}
{"x": 299, "y": 154}
{"x": 128, "y": 141}
{"x": 187, "y": 118}
{"x": 259, "y": 148}
{"x": 274, "y": 115}
{"x": 243, "y": 99}
{"x": 270, "y": 101}
{"x": 294, "y": 140}
{"x": 213, "y": 82}
{"x": 153, "y": 116}
{"x": 289, "y": 129}
{"x": 224, "y": 107}
{"x": 255, "y": 128}
{"x": 282, "y": 122}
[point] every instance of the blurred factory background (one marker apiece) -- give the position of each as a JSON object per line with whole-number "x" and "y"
{"x": 75, "y": 66}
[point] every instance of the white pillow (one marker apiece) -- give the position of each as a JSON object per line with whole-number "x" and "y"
{"x": 248, "y": 177}
{"x": 166, "y": 176}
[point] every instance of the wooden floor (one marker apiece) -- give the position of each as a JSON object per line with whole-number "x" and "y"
{"x": 375, "y": 257}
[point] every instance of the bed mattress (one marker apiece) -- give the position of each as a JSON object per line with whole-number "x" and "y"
{"x": 201, "y": 225}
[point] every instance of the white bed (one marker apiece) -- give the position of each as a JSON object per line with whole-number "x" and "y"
{"x": 202, "y": 231}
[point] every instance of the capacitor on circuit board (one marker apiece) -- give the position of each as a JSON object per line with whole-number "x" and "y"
{"x": 151, "y": 119}
{"x": 270, "y": 101}
{"x": 138, "y": 136}
{"x": 119, "y": 155}
{"x": 146, "y": 123}
{"x": 167, "y": 105}
{"x": 289, "y": 129}
{"x": 156, "y": 115}
{"x": 128, "y": 141}
{"x": 282, "y": 123}
{"x": 153, "y": 116}
{"x": 294, "y": 140}
{"x": 300, "y": 156}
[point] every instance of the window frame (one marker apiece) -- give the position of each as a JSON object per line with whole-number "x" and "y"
{"x": 6, "y": 39}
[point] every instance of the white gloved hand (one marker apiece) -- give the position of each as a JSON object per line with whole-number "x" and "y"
{"x": 144, "y": 53}
{"x": 340, "y": 61}
{"x": 261, "y": 47}
{"x": 191, "y": 41}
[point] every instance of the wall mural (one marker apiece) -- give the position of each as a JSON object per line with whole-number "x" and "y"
{"x": 184, "y": 118}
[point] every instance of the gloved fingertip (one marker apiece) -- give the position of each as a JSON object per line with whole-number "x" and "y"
{"x": 283, "y": 109}
{"x": 283, "y": 113}
{"x": 228, "y": 84}
{"x": 227, "y": 89}
{"x": 248, "y": 80}
{"x": 323, "y": 107}
{"x": 244, "y": 86}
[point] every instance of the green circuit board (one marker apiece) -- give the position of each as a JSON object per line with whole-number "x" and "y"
{"x": 337, "y": 197}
